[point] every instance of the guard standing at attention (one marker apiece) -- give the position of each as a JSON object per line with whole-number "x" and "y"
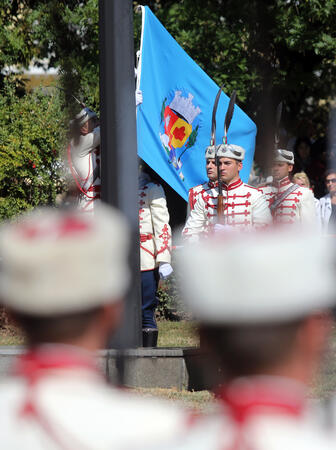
{"x": 155, "y": 249}
{"x": 289, "y": 202}
{"x": 84, "y": 158}
{"x": 241, "y": 206}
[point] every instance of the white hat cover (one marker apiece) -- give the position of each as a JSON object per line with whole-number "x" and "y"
{"x": 60, "y": 261}
{"x": 282, "y": 155}
{"x": 85, "y": 114}
{"x": 250, "y": 278}
{"x": 210, "y": 152}
{"x": 231, "y": 151}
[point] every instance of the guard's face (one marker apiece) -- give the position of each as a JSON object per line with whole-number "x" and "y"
{"x": 229, "y": 169}
{"x": 331, "y": 183}
{"x": 87, "y": 127}
{"x": 281, "y": 170}
{"x": 211, "y": 169}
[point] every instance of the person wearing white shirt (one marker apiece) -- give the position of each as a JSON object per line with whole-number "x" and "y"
{"x": 328, "y": 203}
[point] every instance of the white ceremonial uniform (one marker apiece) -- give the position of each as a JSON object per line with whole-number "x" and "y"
{"x": 262, "y": 411}
{"x": 245, "y": 207}
{"x": 58, "y": 400}
{"x": 325, "y": 211}
{"x": 84, "y": 160}
{"x": 55, "y": 398}
{"x": 297, "y": 207}
{"x": 155, "y": 232}
{"x": 259, "y": 413}
{"x": 194, "y": 193}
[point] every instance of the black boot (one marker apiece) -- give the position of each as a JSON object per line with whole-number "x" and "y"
{"x": 149, "y": 337}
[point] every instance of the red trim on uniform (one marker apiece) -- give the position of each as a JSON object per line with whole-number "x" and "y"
{"x": 146, "y": 237}
{"x": 233, "y": 205}
{"x": 246, "y": 399}
{"x": 282, "y": 183}
{"x": 212, "y": 184}
{"x": 234, "y": 196}
{"x": 148, "y": 251}
{"x": 191, "y": 199}
{"x": 292, "y": 206}
{"x": 165, "y": 236}
{"x": 194, "y": 192}
{"x": 193, "y": 418}
{"x": 96, "y": 188}
{"x": 233, "y": 185}
{"x": 76, "y": 176}
{"x": 34, "y": 366}
{"x": 253, "y": 187}
{"x": 243, "y": 213}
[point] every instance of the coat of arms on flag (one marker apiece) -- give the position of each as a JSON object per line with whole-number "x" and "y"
{"x": 180, "y": 122}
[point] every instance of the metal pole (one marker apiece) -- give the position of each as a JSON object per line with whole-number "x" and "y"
{"x": 119, "y": 165}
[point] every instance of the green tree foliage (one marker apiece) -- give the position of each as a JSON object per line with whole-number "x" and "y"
{"x": 267, "y": 50}
{"x": 31, "y": 136}
{"x": 30, "y": 167}
{"x": 68, "y": 33}
{"x": 16, "y": 35}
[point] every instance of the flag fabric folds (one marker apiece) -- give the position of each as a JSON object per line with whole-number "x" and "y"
{"x": 174, "y": 119}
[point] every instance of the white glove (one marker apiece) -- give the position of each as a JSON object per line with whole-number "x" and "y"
{"x": 165, "y": 270}
{"x": 138, "y": 97}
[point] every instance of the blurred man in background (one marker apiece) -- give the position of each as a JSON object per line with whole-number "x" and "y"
{"x": 211, "y": 170}
{"x": 56, "y": 398}
{"x": 289, "y": 202}
{"x": 265, "y": 335}
{"x": 328, "y": 203}
{"x": 84, "y": 158}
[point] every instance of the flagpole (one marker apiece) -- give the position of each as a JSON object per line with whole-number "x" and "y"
{"x": 119, "y": 165}
{"x": 140, "y": 9}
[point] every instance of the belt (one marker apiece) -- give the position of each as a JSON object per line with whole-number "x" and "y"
{"x": 94, "y": 189}
{"x": 146, "y": 237}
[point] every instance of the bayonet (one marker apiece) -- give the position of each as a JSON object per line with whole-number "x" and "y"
{"x": 277, "y": 126}
{"x": 228, "y": 115}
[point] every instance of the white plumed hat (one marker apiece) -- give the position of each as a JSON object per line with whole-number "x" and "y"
{"x": 284, "y": 156}
{"x": 85, "y": 114}
{"x": 210, "y": 152}
{"x": 257, "y": 278}
{"x": 231, "y": 151}
{"x": 63, "y": 261}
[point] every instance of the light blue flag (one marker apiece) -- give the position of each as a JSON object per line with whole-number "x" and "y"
{"x": 174, "y": 119}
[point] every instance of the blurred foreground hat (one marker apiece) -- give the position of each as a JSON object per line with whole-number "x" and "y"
{"x": 59, "y": 261}
{"x": 85, "y": 115}
{"x": 231, "y": 151}
{"x": 284, "y": 156}
{"x": 257, "y": 278}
